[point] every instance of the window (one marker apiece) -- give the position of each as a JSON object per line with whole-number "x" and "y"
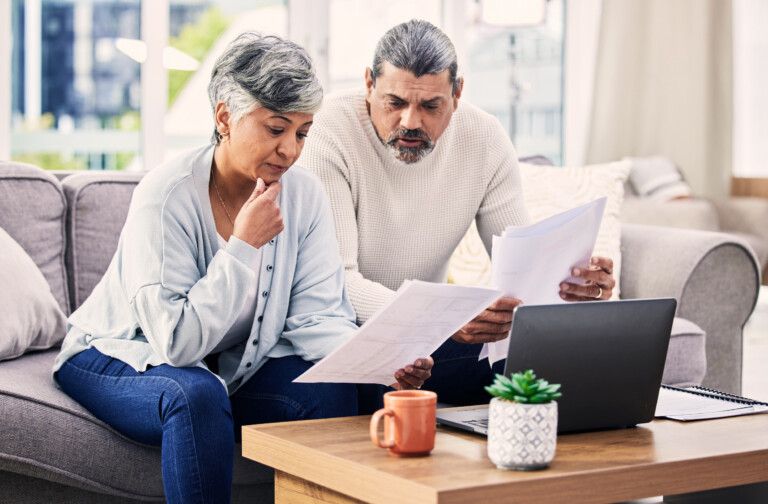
{"x": 74, "y": 94}
{"x": 516, "y": 74}
{"x": 76, "y": 78}
{"x": 84, "y": 95}
{"x": 357, "y": 25}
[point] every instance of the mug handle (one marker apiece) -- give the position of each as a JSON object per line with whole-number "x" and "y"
{"x": 375, "y": 427}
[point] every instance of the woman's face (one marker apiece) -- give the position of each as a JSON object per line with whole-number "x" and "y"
{"x": 263, "y": 143}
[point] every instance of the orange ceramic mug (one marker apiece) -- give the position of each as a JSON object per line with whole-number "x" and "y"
{"x": 409, "y": 426}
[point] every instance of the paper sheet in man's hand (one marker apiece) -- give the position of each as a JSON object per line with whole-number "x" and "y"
{"x": 530, "y": 262}
{"x": 416, "y": 321}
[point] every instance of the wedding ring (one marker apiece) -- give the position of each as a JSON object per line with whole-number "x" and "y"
{"x": 600, "y": 293}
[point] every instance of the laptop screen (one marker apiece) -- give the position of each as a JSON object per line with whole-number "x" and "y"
{"x": 608, "y": 356}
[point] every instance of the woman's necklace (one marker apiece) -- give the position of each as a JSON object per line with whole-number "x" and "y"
{"x": 216, "y": 186}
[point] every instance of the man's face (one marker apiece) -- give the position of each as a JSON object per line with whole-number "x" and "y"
{"x": 408, "y": 113}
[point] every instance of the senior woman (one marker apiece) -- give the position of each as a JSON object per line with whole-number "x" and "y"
{"x": 226, "y": 285}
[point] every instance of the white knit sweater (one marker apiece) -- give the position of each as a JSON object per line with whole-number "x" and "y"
{"x": 397, "y": 221}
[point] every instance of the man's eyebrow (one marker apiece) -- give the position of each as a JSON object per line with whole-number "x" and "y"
{"x": 432, "y": 101}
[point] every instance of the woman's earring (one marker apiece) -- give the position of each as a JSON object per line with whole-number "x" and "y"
{"x": 223, "y": 137}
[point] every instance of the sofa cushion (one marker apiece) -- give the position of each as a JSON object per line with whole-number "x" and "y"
{"x": 32, "y": 318}
{"x": 657, "y": 177}
{"x": 97, "y": 207}
{"x": 686, "y": 362}
{"x": 48, "y": 435}
{"x": 32, "y": 211}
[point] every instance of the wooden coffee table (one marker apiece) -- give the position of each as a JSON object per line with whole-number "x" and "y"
{"x": 334, "y": 461}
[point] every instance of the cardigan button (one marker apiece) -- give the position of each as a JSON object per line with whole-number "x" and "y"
{"x": 272, "y": 241}
{"x": 261, "y": 317}
{"x": 248, "y": 364}
{"x": 269, "y": 267}
{"x": 264, "y": 294}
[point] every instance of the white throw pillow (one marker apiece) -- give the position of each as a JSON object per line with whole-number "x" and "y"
{"x": 657, "y": 178}
{"x": 549, "y": 190}
{"x": 32, "y": 318}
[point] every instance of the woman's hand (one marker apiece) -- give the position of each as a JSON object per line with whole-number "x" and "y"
{"x": 599, "y": 282}
{"x": 259, "y": 219}
{"x": 413, "y": 376}
{"x": 493, "y": 323}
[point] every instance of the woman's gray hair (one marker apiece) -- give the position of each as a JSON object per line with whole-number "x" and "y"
{"x": 264, "y": 71}
{"x": 419, "y": 47}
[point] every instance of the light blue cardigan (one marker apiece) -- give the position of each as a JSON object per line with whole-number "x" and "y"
{"x": 170, "y": 294}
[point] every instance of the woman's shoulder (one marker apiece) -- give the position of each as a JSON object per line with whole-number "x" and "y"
{"x": 174, "y": 175}
{"x": 173, "y": 184}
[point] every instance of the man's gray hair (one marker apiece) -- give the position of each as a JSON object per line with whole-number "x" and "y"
{"x": 419, "y": 47}
{"x": 264, "y": 71}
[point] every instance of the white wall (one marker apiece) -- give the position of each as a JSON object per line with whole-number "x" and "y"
{"x": 750, "y": 88}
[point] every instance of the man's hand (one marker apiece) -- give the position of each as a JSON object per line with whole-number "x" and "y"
{"x": 413, "y": 376}
{"x": 599, "y": 282}
{"x": 492, "y": 324}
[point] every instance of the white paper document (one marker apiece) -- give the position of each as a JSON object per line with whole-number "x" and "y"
{"x": 416, "y": 321}
{"x": 530, "y": 262}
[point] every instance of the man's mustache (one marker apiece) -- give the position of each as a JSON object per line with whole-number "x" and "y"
{"x": 417, "y": 134}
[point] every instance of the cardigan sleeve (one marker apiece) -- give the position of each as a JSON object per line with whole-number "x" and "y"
{"x": 320, "y": 316}
{"x": 183, "y": 306}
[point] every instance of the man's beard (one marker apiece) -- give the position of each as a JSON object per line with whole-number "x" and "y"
{"x": 408, "y": 155}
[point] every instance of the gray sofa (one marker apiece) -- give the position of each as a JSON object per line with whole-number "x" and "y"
{"x": 53, "y": 450}
{"x": 745, "y": 217}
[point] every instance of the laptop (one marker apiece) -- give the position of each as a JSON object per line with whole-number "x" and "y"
{"x": 608, "y": 356}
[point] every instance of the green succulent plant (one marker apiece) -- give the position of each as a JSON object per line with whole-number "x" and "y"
{"x": 524, "y": 388}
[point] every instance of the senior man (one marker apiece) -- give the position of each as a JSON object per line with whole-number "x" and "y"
{"x": 407, "y": 167}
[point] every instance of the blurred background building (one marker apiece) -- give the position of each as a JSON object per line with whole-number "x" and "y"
{"x": 121, "y": 84}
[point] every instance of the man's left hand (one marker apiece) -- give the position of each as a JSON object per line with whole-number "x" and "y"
{"x": 599, "y": 282}
{"x": 414, "y": 376}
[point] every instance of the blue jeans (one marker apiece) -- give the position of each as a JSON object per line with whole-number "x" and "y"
{"x": 458, "y": 377}
{"x": 186, "y": 411}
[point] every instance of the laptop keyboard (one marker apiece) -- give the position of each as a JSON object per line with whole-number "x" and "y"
{"x": 478, "y": 422}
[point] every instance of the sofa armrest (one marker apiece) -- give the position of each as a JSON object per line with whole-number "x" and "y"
{"x": 691, "y": 213}
{"x": 743, "y": 214}
{"x": 715, "y": 279}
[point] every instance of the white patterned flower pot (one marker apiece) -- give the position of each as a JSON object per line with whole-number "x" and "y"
{"x": 522, "y": 437}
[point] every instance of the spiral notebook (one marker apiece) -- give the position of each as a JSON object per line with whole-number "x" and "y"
{"x": 699, "y": 403}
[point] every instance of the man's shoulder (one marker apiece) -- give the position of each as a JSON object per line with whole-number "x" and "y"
{"x": 470, "y": 114}
{"x": 340, "y": 105}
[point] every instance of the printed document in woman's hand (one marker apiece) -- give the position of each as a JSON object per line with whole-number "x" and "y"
{"x": 530, "y": 262}
{"x": 415, "y": 322}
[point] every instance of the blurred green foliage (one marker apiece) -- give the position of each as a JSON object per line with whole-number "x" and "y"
{"x": 195, "y": 40}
